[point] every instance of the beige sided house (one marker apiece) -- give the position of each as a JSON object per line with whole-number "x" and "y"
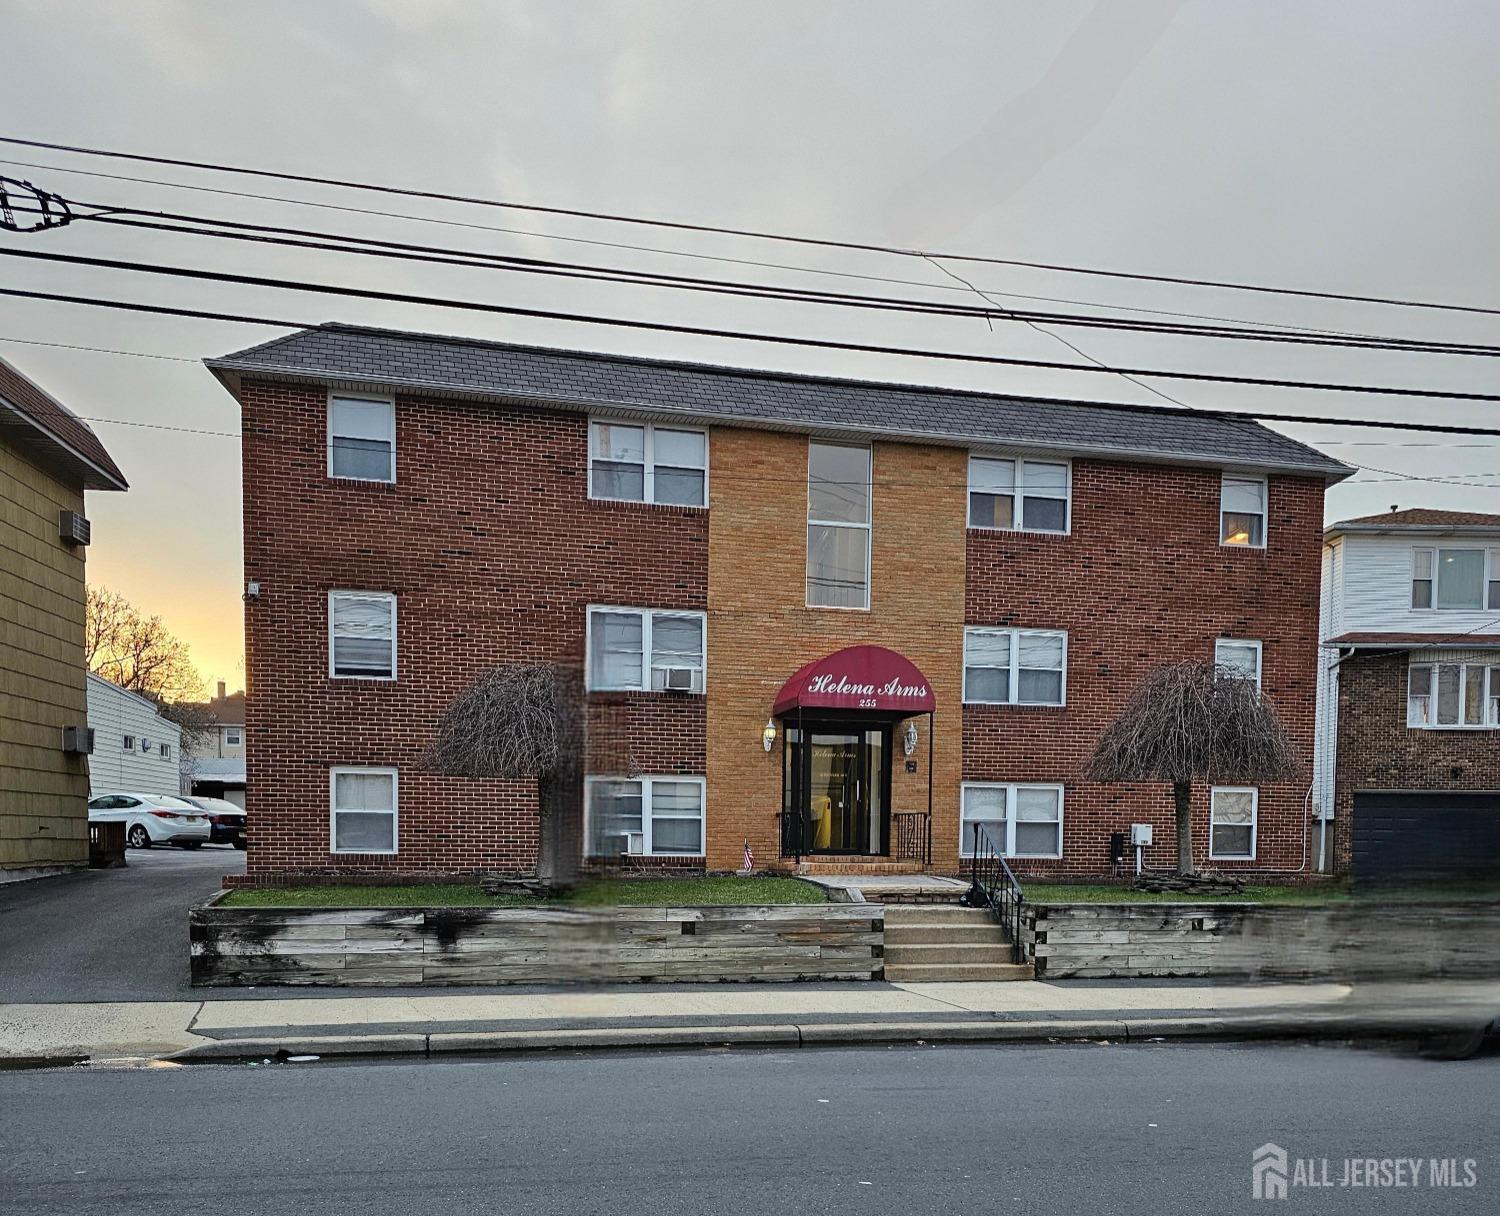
{"x": 48, "y": 458}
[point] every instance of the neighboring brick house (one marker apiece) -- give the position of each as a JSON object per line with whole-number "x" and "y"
{"x": 48, "y": 458}
{"x": 813, "y": 616}
{"x": 1408, "y": 756}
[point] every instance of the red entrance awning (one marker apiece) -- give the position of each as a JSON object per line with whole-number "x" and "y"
{"x": 858, "y": 677}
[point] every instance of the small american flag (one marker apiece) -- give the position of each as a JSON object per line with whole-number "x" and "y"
{"x": 749, "y": 860}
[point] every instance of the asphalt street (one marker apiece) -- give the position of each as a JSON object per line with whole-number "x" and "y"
{"x": 108, "y": 935}
{"x": 1159, "y": 1129}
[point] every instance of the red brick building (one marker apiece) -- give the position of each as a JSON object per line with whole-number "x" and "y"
{"x": 810, "y": 616}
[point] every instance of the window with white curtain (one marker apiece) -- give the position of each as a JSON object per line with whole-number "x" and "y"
{"x": 363, "y": 810}
{"x": 1455, "y": 579}
{"x": 1242, "y": 511}
{"x": 643, "y": 462}
{"x": 1453, "y": 695}
{"x": 1239, "y": 656}
{"x": 1014, "y": 666}
{"x": 642, "y": 648}
{"x": 1024, "y": 820}
{"x": 361, "y": 437}
{"x": 646, "y": 816}
{"x": 838, "y": 526}
{"x": 362, "y": 635}
{"x": 1232, "y": 815}
{"x": 1020, "y": 495}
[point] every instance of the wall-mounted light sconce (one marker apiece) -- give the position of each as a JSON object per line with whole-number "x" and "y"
{"x": 768, "y": 736}
{"x": 909, "y": 738}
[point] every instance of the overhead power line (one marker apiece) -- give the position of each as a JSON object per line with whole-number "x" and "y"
{"x": 546, "y": 314}
{"x": 758, "y": 234}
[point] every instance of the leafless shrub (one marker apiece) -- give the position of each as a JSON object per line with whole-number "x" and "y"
{"x": 504, "y": 724}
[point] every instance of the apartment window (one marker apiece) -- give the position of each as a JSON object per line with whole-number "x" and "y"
{"x": 1015, "y": 666}
{"x": 640, "y": 462}
{"x": 647, "y": 649}
{"x": 1453, "y": 695}
{"x": 362, "y": 438}
{"x": 838, "y": 526}
{"x": 362, "y": 635}
{"x": 1231, "y": 828}
{"x": 646, "y": 816}
{"x": 166, "y": 751}
{"x": 1025, "y": 495}
{"x": 1025, "y": 820}
{"x": 129, "y": 743}
{"x": 232, "y": 736}
{"x": 1239, "y": 656}
{"x": 1455, "y": 578}
{"x": 1242, "y": 512}
{"x": 363, "y": 810}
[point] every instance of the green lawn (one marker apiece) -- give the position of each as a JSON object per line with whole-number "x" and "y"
{"x": 1086, "y": 893}
{"x": 601, "y": 893}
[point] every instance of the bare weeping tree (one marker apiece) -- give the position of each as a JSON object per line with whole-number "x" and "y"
{"x": 516, "y": 722}
{"x": 1190, "y": 722}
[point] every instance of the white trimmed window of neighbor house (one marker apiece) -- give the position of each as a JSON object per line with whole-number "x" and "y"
{"x": 1025, "y": 820}
{"x": 1453, "y": 696}
{"x": 1240, "y": 656}
{"x": 839, "y": 491}
{"x": 646, "y": 649}
{"x": 233, "y": 737}
{"x": 1009, "y": 493}
{"x": 1232, "y": 815}
{"x": 1015, "y": 666}
{"x": 1242, "y": 511}
{"x": 1455, "y": 579}
{"x": 363, "y": 810}
{"x": 361, "y": 437}
{"x": 645, "y": 816}
{"x": 642, "y": 462}
{"x": 362, "y": 635}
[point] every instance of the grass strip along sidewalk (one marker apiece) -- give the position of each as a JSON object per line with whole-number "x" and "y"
{"x": 676, "y": 892}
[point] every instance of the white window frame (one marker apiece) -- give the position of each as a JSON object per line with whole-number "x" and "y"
{"x": 373, "y": 399}
{"x": 647, "y": 783}
{"x": 1015, "y": 665}
{"x": 395, "y": 633}
{"x": 1018, "y": 510}
{"x": 647, "y": 616}
{"x": 868, "y": 527}
{"x": 648, "y": 441}
{"x": 1489, "y": 573}
{"x": 1258, "y": 647}
{"x": 1265, "y": 507}
{"x": 233, "y": 736}
{"x": 1011, "y": 789}
{"x": 1489, "y": 696}
{"x": 1213, "y": 793}
{"x": 334, "y": 809}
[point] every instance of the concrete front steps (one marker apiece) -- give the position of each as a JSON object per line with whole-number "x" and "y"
{"x": 939, "y": 942}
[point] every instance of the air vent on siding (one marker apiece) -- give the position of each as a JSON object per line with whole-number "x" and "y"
{"x": 73, "y": 527}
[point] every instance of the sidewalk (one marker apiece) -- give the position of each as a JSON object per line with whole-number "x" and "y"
{"x": 788, "y": 1015}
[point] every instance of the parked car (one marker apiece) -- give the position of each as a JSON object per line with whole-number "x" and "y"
{"x": 226, "y": 819}
{"x": 152, "y": 819}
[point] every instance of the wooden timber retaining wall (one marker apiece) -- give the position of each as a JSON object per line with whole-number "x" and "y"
{"x": 438, "y": 946}
{"x": 1359, "y": 939}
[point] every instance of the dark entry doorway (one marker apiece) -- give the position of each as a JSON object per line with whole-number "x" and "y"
{"x": 837, "y": 781}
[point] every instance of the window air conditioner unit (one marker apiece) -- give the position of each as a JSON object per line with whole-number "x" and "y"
{"x": 78, "y": 740}
{"x": 73, "y": 527}
{"x": 678, "y": 679}
{"x": 635, "y": 844}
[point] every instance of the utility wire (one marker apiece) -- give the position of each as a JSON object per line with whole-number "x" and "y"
{"x": 759, "y": 234}
{"x": 366, "y": 293}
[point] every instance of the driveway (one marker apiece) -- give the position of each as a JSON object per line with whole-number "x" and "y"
{"x": 108, "y": 935}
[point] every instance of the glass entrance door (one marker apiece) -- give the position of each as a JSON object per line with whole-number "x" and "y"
{"x": 838, "y": 781}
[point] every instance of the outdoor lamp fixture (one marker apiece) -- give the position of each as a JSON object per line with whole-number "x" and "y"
{"x": 768, "y": 736}
{"x": 909, "y": 737}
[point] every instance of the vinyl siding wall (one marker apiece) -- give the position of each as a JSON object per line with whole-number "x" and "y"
{"x": 115, "y": 713}
{"x": 1377, "y": 587}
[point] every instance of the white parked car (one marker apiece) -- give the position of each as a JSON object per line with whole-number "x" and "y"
{"x": 152, "y": 819}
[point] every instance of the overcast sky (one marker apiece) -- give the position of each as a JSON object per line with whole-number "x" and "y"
{"x": 1335, "y": 146}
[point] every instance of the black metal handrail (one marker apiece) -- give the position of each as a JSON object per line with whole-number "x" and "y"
{"x": 994, "y": 885}
{"x": 911, "y": 836}
{"x": 790, "y": 831}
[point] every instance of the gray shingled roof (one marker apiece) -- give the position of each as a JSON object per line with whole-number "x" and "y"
{"x": 496, "y": 371}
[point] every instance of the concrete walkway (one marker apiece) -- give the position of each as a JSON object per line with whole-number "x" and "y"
{"x": 787, "y": 1014}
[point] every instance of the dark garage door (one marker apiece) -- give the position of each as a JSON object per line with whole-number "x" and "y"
{"x": 1398, "y": 834}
